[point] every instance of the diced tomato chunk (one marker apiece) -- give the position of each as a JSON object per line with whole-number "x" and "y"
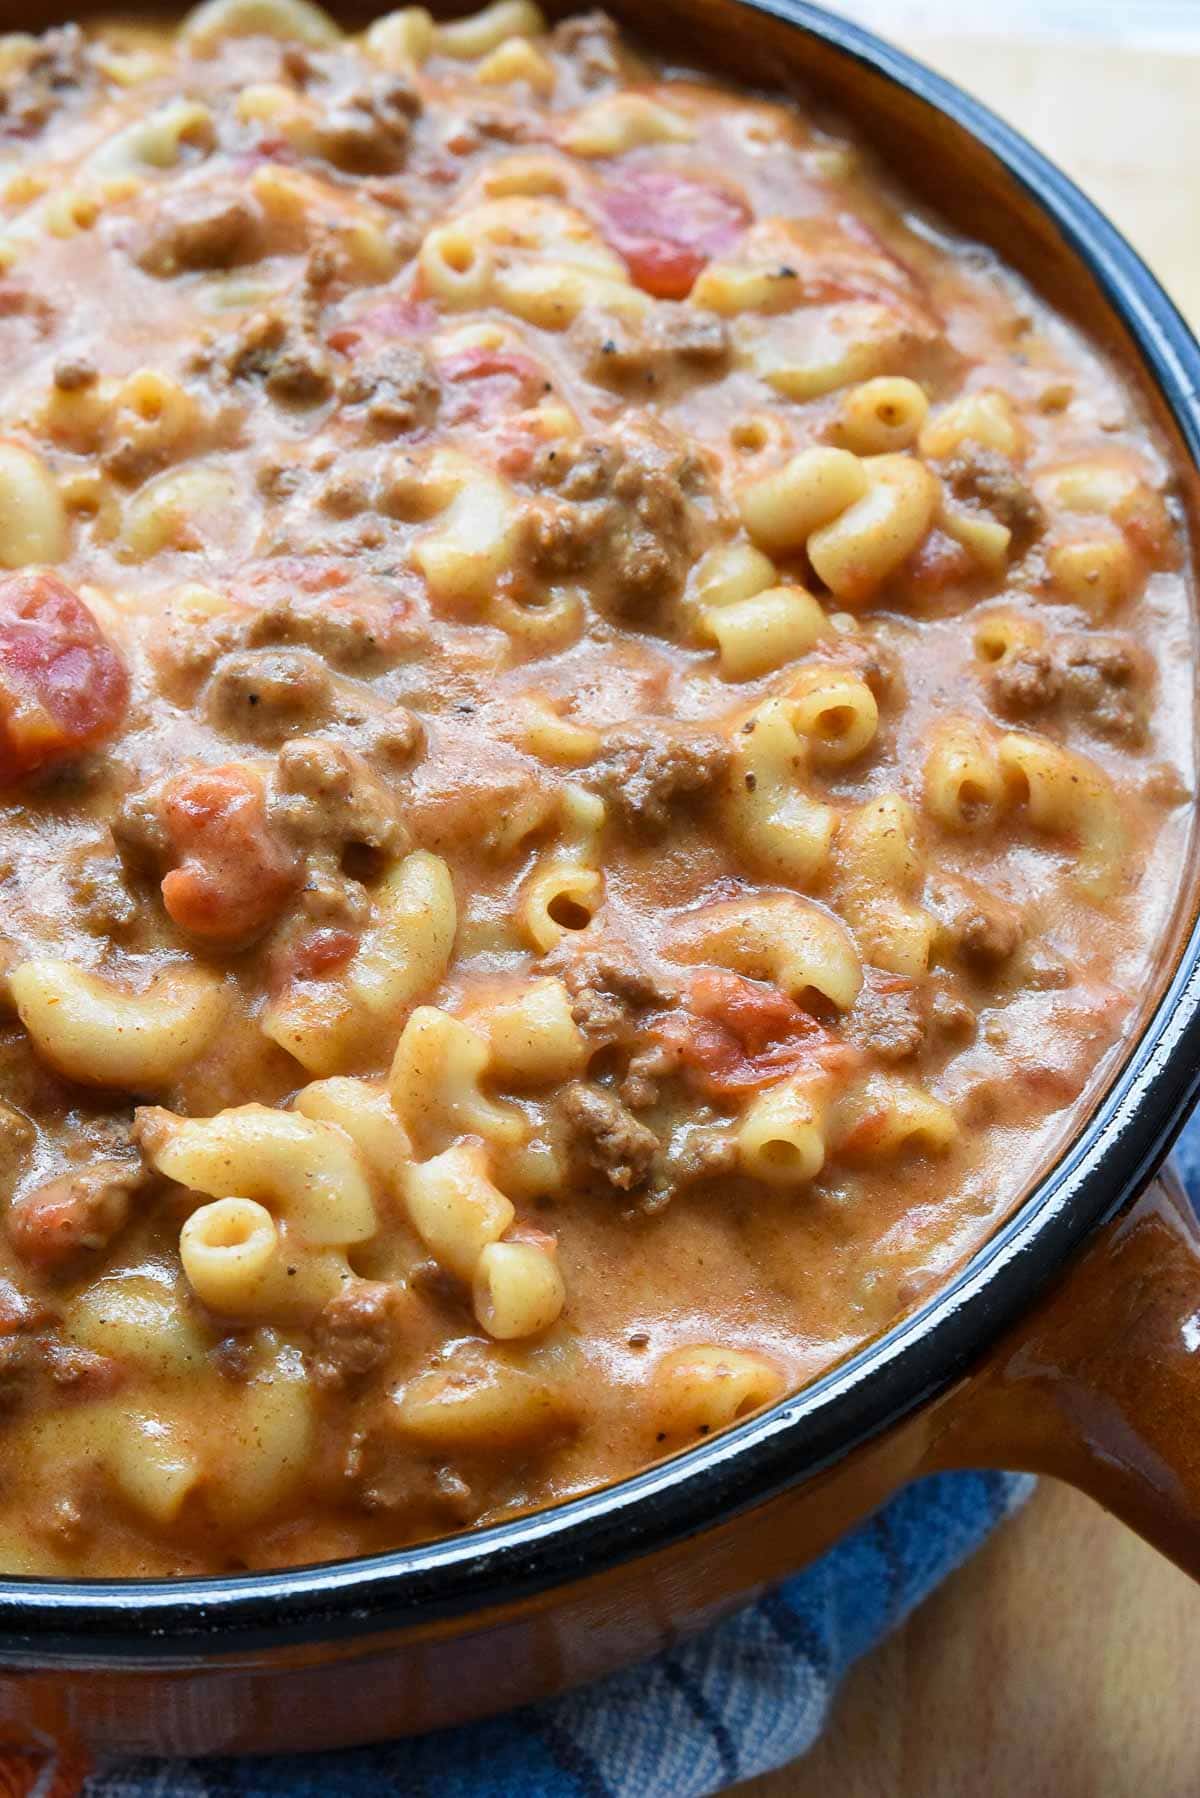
{"x": 394, "y": 317}
{"x": 63, "y": 687}
{"x": 484, "y": 384}
{"x": 667, "y": 226}
{"x": 738, "y": 1035}
{"x": 756, "y": 1014}
{"x": 322, "y": 952}
{"x": 73, "y": 1214}
{"x": 234, "y": 875}
{"x": 282, "y": 574}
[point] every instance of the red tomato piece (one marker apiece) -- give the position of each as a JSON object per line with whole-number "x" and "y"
{"x": 667, "y": 226}
{"x": 738, "y": 1035}
{"x": 756, "y": 1014}
{"x": 391, "y": 318}
{"x": 234, "y": 875}
{"x": 322, "y": 952}
{"x": 63, "y": 687}
{"x": 487, "y": 383}
{"x": 283, "y": 574}
{"x": 718, "y": 1064}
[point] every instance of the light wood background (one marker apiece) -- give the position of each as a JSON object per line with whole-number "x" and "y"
{"x": 1064, "y": 1661}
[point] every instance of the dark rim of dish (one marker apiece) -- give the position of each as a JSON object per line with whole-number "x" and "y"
{"x": 165, "y": 1622}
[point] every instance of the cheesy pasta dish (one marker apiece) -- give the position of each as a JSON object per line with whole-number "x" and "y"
{"x": 594, "y": 743}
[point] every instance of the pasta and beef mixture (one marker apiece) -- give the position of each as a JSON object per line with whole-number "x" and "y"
{"x": 594, "y": 737}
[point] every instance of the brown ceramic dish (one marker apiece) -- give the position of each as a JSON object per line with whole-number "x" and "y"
{"x": 1064, "y": 1346}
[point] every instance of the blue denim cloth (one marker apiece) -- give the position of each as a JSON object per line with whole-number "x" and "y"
{"x": 748, "y": 1696}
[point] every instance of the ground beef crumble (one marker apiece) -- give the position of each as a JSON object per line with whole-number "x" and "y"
{"x": 100, "y": 895}
{"x": 281, "y": 345}
{"x": 623, "y": 511}
{"x": 396, "y": 390}
{"x": 604, "y": 1136}
{"x": 325, "y": 792}
{"x": 17, "y": 1138}
{"x": 986, "y": 479}
{"x": 1025, "y": 683}
{"x": 887, "y": 1018}
{"x": 354, "y": 1332}
{"x": 627, "y": 353}
{"x": 985, "y": 928}
{"x": 609, "y": 989}
{"x": 1099, "y": 679}
{"x": 60, "y": 69}
{"x": 289, "y": 361}
{"x": 1102, "y": 680}
{"x": 367, "y": 131}
{"x": 201, "y": 228}
{"x": 648, "y": 769}
{"x": 268, "y": 694}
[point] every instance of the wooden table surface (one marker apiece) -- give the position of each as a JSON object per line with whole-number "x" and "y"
{"x": 1064, "y": 1661}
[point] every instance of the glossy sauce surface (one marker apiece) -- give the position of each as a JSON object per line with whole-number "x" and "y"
{"x": 400, "y": 436}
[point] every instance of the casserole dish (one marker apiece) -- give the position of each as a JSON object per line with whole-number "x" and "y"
{"x": 1062, "y": 1346}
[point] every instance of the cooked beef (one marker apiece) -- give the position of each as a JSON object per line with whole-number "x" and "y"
{"x": 100, "y": 895}
{"x": 987, "y": 479}
{"x": 648, "y": 769}
{"x": 354, "y": 1332}
{"x": 22, "y": 1360}
{"x": 701, "y": 1152}
{"x": 344, "y": 635}
{"x": 17, "y": 1137}
{"x": 34, "y": 1360}
{"x": 291, "y": 365}
{"x": 609, "y": 990}
{"x": 383, "y": 1479}
{"x": 648, "y": 1066}
{"x": 1026, "y": 683}
{"x": 622, "y": 513}
{"x": 266, "y": 695}
{"x": 344, "y": 493}
{"x": 1100, "y": 682}
{"x": 368, "y": 130}
{"x": 986, "y": 929}
{"x": 948, "y": 1013}
{"x": 604, "y": 1137}
{"x": 201, "y": 228}
{"x": 59, "y": 69}
{"x": 694, "y": 336}
{"x": 887, "y": 1018}
{"x": 1098, "y": 678}
{"x": 877, "y": 663}
{"x": 139, "y": 831}
{"x": 396, "y": 389}
{"x": 74, "y": 374}
{"x": 626, "y": 352}
{"x": 325, "y": 794}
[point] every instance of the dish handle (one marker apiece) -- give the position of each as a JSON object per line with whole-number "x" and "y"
{"x": 1100, "y": 1384}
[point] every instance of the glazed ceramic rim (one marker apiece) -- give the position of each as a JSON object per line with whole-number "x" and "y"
{"x": 160, "y": 1623}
